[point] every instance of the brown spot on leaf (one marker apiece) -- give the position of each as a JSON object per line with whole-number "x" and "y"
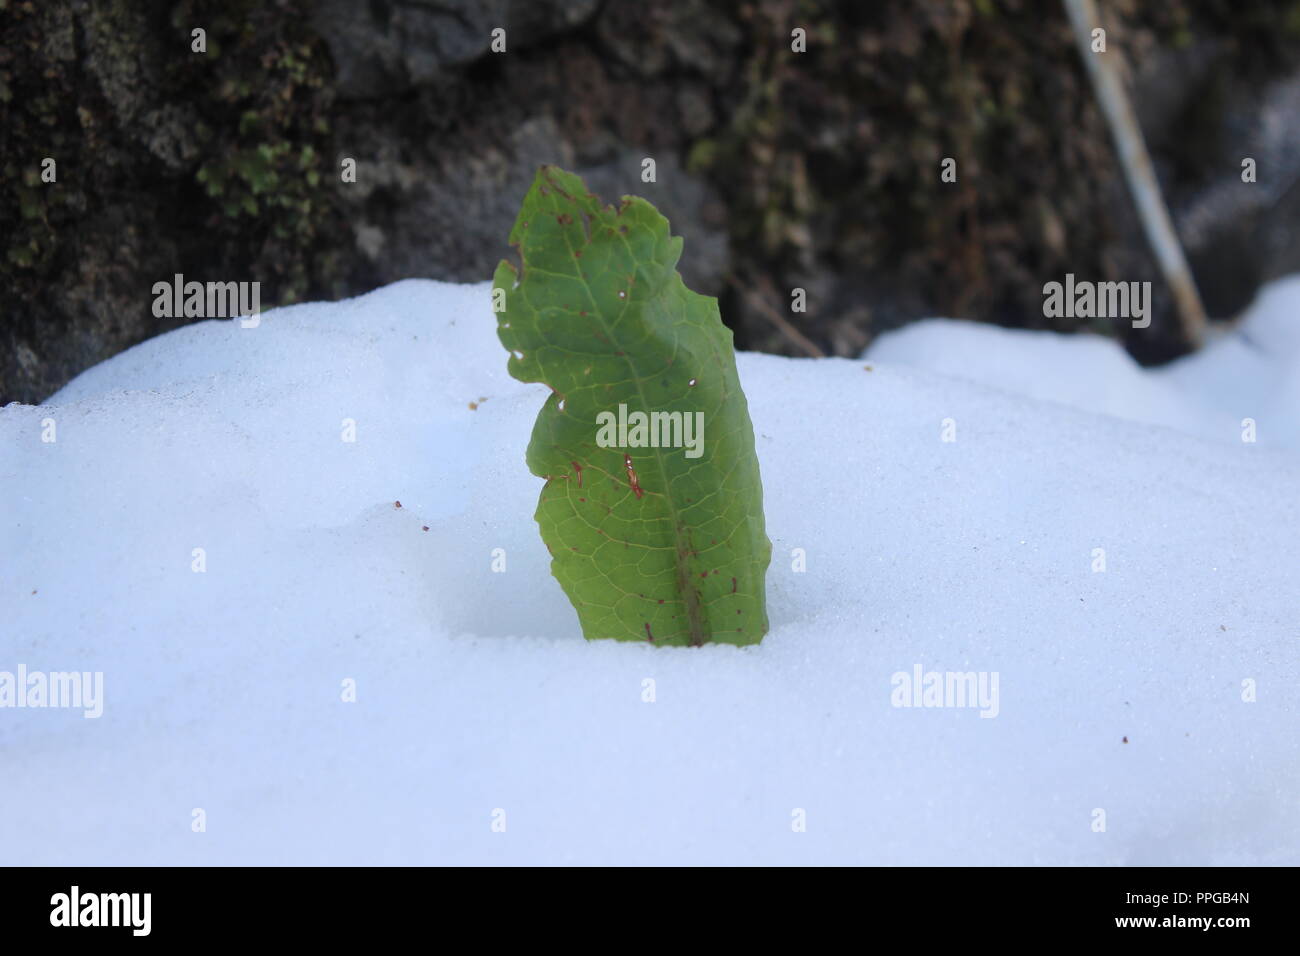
{"x": 631, "y": 475}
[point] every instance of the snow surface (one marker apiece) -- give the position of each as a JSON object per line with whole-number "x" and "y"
{"x": 476, "y": 692}
{"x": 1251, "y": 370}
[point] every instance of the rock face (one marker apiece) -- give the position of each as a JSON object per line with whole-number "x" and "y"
{"x": 388, "y": 47}
{"x": 443, "y": 219}
{"x": 1241, "y": 233}
{"x": 816, "y": 170}
{"x": 391, "y": 46}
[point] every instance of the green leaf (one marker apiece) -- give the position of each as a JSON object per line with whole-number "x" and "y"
{"x": 648, "y": 543}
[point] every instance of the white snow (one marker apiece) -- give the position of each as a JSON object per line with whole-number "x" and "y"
{"x": 1250, "y": 370}
{"x": 476, "y": 692}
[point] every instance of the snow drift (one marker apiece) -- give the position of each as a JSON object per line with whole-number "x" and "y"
{"x": 201, "y": 532}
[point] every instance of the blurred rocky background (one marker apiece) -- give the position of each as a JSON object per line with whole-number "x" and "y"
{"x": 817, "y": 170}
